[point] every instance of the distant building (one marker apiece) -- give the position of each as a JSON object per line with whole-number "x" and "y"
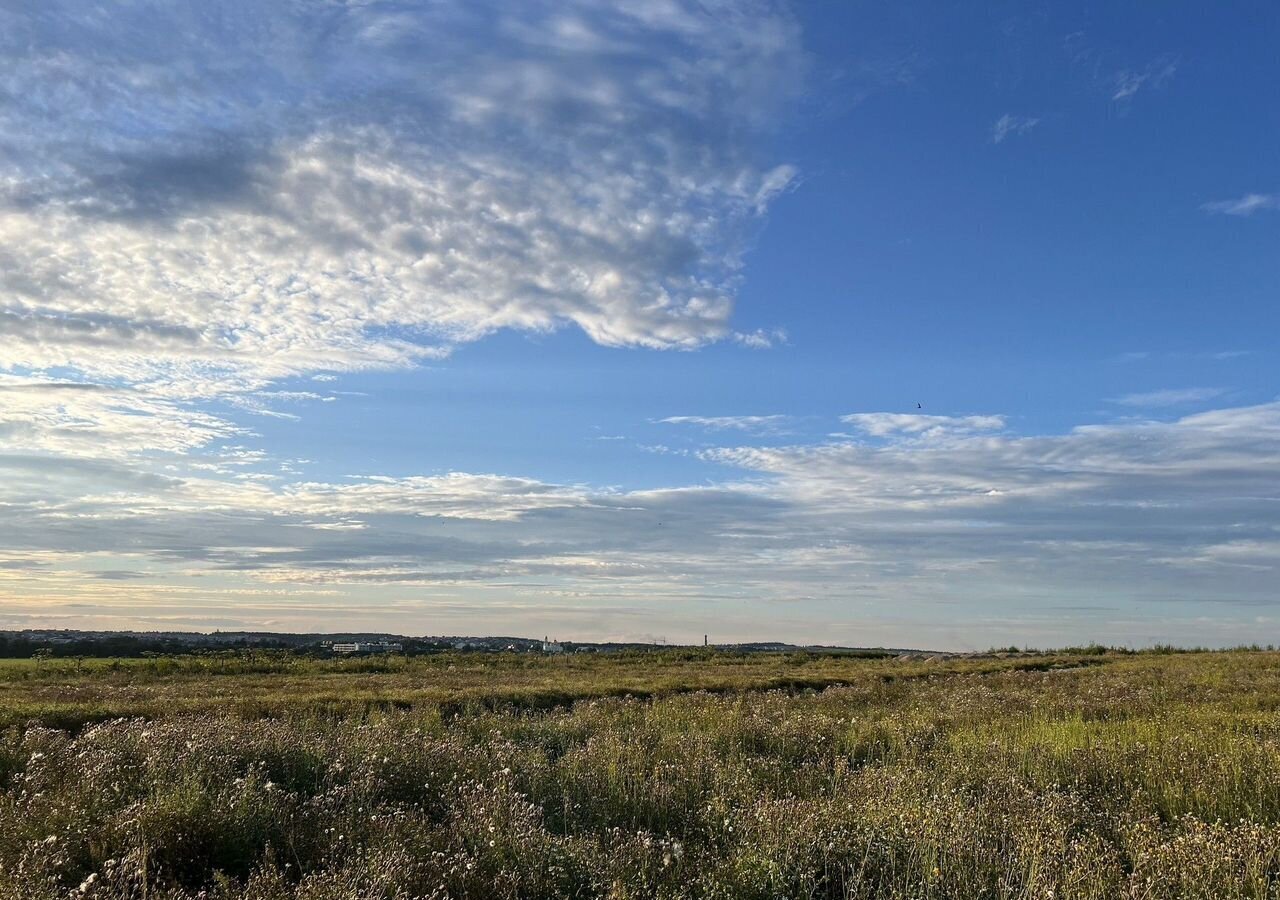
{"x": 367, "y": 647}
{"x": 549, "y": 646}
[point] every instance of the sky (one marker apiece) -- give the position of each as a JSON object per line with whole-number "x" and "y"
{"x": 901, "y": 324}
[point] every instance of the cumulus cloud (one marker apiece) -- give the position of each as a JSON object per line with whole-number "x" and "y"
{"x": 213, "y": 201}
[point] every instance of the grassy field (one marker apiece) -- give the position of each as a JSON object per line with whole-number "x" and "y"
{"x": 664, "y": 775}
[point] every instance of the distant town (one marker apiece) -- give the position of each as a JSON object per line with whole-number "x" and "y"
{"x": 71, "y": 643}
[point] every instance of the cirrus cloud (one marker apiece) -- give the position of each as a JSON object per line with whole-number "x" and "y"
{"x": 1010, "y": 125}
{"x": 1244, "y": 206}
{"x": 722, "y": 423}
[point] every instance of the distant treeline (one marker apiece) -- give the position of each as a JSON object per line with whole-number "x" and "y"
{"x": 129, "y": 646}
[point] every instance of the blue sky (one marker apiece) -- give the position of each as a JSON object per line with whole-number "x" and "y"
{"x": 876, "y": 324}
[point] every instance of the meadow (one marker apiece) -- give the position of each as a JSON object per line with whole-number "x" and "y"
{"x": 696, "y": 774}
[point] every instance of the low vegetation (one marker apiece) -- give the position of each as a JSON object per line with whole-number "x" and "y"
{"x": 708, "y": 775}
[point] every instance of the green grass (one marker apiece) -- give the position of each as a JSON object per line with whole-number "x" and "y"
{"x": 685, "y": 774}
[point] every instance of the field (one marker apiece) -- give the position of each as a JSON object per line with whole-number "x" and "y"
{"x": 695, "y": 774}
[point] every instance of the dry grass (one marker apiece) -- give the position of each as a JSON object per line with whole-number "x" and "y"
{"x": 682, "y": 775}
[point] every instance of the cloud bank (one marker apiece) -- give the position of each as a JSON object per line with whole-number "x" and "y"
{"x": 918, "y": 519}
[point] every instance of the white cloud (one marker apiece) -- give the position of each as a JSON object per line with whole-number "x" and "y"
{"x": 195, "y": 206}
{"x": 761, "y": 339}
{"x": 457, "y": 495}
{"x": 920, "y": 425}
{"x": 1010, "y": 125}
{"x": 721, "y": 423}
{"x": 1147, "y": 462}
{"x": 260, "y": 195}
{"x": 87, "y": 420}
{"x": 944, "y": 516}
{"x": 1169, "y": 397}
{"x": 1127, "y": 82}
{"x": 288, "y": 189}
{"x": 1244, "y": 206}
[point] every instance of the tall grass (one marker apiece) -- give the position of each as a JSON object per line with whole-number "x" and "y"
{"x": 1136, "y": 776}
